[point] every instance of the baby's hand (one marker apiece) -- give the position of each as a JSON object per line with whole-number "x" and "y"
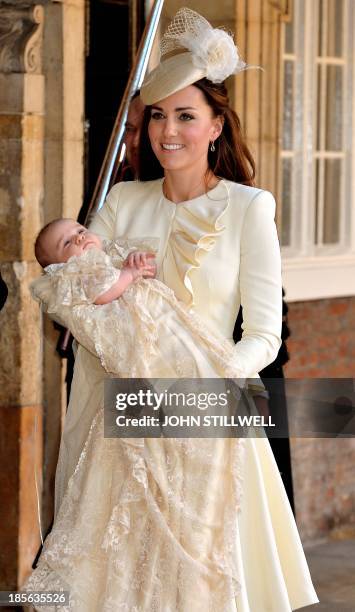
{"x": 145, "y": 271}
{"x": 138, "y": 259}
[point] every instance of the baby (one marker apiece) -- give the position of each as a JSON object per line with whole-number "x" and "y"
{"x": 147, "y": 332}
{"x": 62, "y": 239}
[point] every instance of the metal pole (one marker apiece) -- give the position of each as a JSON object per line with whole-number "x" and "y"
{"x": 134, "y": 82}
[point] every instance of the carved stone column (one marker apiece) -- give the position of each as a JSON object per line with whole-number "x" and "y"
{"x": 42, "y": 51}
{"x": 63, "y": 68}
{"x": 257, "y": 92}
{"x": 21, "y": 194}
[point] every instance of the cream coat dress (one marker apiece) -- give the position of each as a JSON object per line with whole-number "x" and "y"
{"x": 216, "y": 252}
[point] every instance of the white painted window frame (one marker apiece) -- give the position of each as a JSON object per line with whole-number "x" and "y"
{"x": 311, "y": 271}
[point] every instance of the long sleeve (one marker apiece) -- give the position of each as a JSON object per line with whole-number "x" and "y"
{"x": 260, "y": 286}
{"x": 104, "y": 222}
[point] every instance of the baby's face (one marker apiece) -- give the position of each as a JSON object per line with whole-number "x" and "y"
{"x": 68, "y": 238}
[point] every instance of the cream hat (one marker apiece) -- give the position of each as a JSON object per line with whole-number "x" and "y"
{"x": 191, "y": 50}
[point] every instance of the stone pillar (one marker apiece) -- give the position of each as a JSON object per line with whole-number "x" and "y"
{"x": 21, "y": 195}
{"x": 41, "y": 178}
{"x": 63, "y": 69}
{"x": 257, "y": 92}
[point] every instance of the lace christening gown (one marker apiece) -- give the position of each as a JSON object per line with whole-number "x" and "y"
{"x": 145, "y": 524}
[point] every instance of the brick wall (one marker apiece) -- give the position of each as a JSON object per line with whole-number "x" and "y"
{"x": 322, "y": 344}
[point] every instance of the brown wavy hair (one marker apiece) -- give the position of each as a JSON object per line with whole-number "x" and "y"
{"x": 231, "y": 160}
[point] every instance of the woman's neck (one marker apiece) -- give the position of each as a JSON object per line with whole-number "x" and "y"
{"x": 183, "y": 185}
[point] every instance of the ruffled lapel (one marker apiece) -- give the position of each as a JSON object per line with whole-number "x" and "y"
{"x": 196, "y": 227}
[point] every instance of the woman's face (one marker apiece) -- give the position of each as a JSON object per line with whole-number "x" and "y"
{"x": 181, "y": 128}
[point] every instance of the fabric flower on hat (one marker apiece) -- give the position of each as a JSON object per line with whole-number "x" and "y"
{"x": 214, "y": 51}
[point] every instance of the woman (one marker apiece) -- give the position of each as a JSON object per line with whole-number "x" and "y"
{"x": 218, "y": 249}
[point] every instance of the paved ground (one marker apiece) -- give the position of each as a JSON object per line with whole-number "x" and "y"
{"x": 332, "y": 566}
